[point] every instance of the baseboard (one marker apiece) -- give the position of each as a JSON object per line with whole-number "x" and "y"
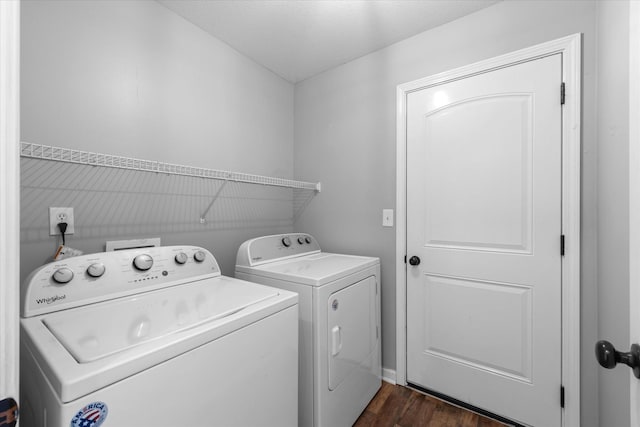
{"x": 389, "y": 375}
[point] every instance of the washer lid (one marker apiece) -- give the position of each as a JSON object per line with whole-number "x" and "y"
{"x": 314, "y": 270}
{"x": 93, "y": 332}
{"x": 186, "y": 317}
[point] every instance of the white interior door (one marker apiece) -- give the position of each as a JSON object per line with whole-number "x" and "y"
{"x": 9, "y": 206}
{"x": 484, "y": 218}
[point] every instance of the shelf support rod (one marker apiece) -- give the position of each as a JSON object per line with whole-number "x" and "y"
{"x": 203, "y": 217}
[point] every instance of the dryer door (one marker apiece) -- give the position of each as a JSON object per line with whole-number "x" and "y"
{"x": 352, "y": 335}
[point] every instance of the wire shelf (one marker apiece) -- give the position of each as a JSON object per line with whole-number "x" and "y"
{"x": 68, "y": 155}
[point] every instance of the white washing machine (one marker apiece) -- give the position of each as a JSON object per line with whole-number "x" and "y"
{"x": 339, "y": 298}
{"x": 155, "y": 337}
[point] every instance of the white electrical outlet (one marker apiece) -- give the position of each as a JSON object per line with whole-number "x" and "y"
{"x": 58, "y": 215}
{"x": 387, "y": 217}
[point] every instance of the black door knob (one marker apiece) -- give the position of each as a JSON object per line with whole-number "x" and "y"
{"x": 609, "y": 357}
{"x": 414, "y": 260}
{"x": 8, "y": 412}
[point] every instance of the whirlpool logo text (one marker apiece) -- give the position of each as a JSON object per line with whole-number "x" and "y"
{"x": 50, "y": 300}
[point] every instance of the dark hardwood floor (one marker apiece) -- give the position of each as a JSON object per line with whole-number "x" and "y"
{"x": 397, "y": 406}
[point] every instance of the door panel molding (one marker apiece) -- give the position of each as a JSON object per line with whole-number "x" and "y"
{"x": 514, "y": 359}
{"x": 516, "y": 109}
{"x": 570, "y": 48}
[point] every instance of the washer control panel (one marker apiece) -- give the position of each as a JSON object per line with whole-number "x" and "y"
{"x": 91, "y": 278}
{"x": 280, "y": 246}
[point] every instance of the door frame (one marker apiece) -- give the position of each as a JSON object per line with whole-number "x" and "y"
{"x": 634, "y": 198}
{"x": 570, "y": 47}
{"x": 9, "y": 197}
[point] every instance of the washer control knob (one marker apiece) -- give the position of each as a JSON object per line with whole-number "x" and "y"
{"x": 63, "y": 275}
{"x": 181, "y": 258}
{"x": 96, "y": 269}
{"x": 307, "y": 239}
{"x": 143, "y": 262}
{"x": 199, "y": 256}
{"x": 301, "y": 240}
{"x": 286, "y": 242}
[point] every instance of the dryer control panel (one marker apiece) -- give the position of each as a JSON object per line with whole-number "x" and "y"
{"x": 279, "y": 246}
{"x": 102, "y": 276}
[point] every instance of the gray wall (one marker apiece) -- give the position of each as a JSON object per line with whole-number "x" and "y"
{"x": 613, "y": 202}
{"x": 345, "y": 125}
{"x": 132, "y": 78}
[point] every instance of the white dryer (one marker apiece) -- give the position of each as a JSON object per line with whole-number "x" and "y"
{"x": 339, "y": 297}
{"x": 155, "y": 337}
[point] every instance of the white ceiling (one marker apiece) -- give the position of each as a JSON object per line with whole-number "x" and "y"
{"x": 297, "y": 39}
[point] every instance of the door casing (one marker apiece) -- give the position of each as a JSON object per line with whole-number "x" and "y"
{"x": 9, "y": 197}
{"x": 634, "y": 199}
{"x": 570, "y": 48}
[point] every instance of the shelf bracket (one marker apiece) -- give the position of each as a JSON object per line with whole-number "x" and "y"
{"x": 203, "y": 217}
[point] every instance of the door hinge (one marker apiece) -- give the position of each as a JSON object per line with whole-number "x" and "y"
{"x": 562, "y": 93}
{"x": 562, "y": 396}
{"x": 562, "y": 245}
{"x": 405, "y": 259}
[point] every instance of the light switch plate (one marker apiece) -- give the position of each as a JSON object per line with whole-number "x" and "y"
{"x": 387, "y": 217}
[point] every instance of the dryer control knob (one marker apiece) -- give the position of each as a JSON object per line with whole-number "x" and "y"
{"x": 181, "y": 258}
{"x": 96, "y": 269}
{"x": 286, "y": 242}
{"x": 199, "y": 256}
{"x": 143, "y": 262}
{"x": 63, "y": 275}
{"x": 301, "y": 240}
{"x": 307, "y": 239}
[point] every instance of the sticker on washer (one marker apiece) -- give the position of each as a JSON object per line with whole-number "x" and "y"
{"x": 92, "y": 415}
